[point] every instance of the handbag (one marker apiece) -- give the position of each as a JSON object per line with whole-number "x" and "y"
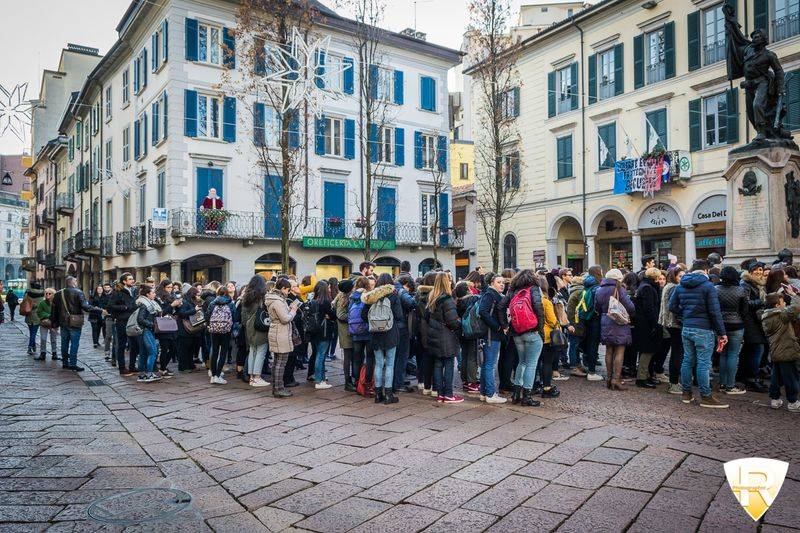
{"x": 617, "y": 311}
{"x": 296, "y": 339}
{"x": 73, "y": 321}
{"x": 557, "y": 337}
{"x": 166, "y": 324}
{"x": 46, "y": 323}
{"x": 366, "y": 386}
{"x": 195, "y": 323}
{"x": 26, "y": 306}
{"x": 261, "y": 321}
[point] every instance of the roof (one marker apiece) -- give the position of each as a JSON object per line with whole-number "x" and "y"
{"x": 463, "y": 190}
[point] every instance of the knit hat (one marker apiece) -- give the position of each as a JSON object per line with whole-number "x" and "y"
{"x": 614, "y": 274}
{"x": 754, "y": 264}
{"x": 346, "y": 285}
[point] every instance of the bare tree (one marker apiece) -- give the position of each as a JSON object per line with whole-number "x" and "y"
{"x": 497, "y": 162}
{"x": 437, "y": 169}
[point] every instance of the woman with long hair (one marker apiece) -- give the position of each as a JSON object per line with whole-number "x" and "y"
{"x": 322, "y": 333}
{"x": 188, "y": 342}
{"x": 333, "y": 287}
{"x": 221, "y": 320}
{"x": 341, "y": 306}
{"x": 148, "y": 310}
{"x": 253, "y": 299}
{"x": 425, "y": 361}
{"x": 465, "y": 300}
{"x": 444, "y": 329}
{"x": 384, "y": 342}
{"x": 647, "y": 333}
{"x": 358, "y": 327}
{"x": 167, "y": 340}
{"x": 549, "y": 351}
{"x": 668, "y": 320}
{"x": 733, "y": 306}
{"x": 615, "y": 336}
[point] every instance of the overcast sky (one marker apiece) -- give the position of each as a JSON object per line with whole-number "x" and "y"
{"x": 35, "y": 31}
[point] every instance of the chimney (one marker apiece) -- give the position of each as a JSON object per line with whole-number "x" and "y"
{"x": 414, "y": 34}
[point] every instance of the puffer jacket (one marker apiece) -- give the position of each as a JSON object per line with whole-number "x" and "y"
{"x": 550, "y": 321}
{"x": 733, "y": 303}
{"x": 35, "y": 296}
{"x": 490, "y": 313}
{"x": 753, "y": 332}
{"x": 647, "y": 333}
{"x": 253, "y": 336}
{"x": 280, "y": 328}
{"x": 340, "y": 307}
{"x": 383, "y": 340}
{"x": 420, "y": 321}
{"x": 610, "y": 332}
{"x": 444, "y": 328}
{"x": 537, "y": 300}
{"x": 667, "y": 318}
{"x": 777, "y": 323}
{"x": 465, "y": 302}
{"x": 575, "y": 291}
{"x": 695, "y": 300}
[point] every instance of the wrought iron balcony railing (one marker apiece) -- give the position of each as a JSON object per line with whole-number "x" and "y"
{"x": 107, "y": 246}
{"x": 65, "y": 203}
{"x": 40, "y": 223}
{"x": 156, "y": 238}
{"x": 86, "y": 240}
{"x": 123, "y": 242}
{"x": 68, "y": 248}
{"x": 786, "y": 27}
{"x": 49, "y": 215}
{"x": 714, "y": 52}
{"x": 139, "y": 237}
{"x": 40, "y": 256}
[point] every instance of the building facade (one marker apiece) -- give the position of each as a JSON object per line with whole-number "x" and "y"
{"x": 612, "y": 94}
{"x": 156, "y": 125}
{"x": 14, "y": 213}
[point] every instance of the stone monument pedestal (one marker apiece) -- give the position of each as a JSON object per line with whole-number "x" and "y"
{"x": 759, "y": 223}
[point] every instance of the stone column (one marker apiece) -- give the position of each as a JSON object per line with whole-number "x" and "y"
{"x": 636, "y": 249}
{"x": 154, "y": 272}
{"x": 175, "y": 271}
{"x": 591, "y": 251}
{"x": 552, "y": 253}
{"x": 691, "y": 252}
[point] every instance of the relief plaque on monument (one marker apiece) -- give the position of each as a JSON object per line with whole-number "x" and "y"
{"x": 751, "y": 219}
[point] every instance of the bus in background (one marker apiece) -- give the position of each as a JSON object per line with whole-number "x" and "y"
{"x": 19, "y": 286}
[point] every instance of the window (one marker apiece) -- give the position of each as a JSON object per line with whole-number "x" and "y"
{"x": 786, "y": 19}
{"x": 544, "y": 10}
{"x": 126, "y": 89}
{"x": 715, "y": 122}
{"x": 142, "y": 201}
{"x": 8, "y": 230}
{"x": 21, "y": 248}
{"x": 429, "y": 210}
{"x": 140, "y": 137}
{"x": 510, "y": 103}
{"x": 109, "y": 159}
{"x": 606, "y": 146}
{"x": 8, "y": 247}
{"x": 569, "y": 12}
{"x": 161, "y": 187}
{"x": 209, "y": 39}
{"x": 427, "y": 93}
{"x": 108, "y": 103}
{"x": 713, "y": 35}
{"x": 464, "y": 171}
{"x": 158, "y": 111}
{"x": 272, "y": 127}
{"x": 564, "y": 157}
{"x": 334, "y": 73}
{"x": 656, "y": 129}
{"x": 95, "y": 164}
{"x": 109, "y": 222}
{"x": 159, "y": 46}
{"x": 334, "y": 136}
{"x": 428, "y": 152}
{"x": 564, "y": 89}
{"x": 605, "y": 79}
{"x": 386, "y": 145}
{"x": 126, "y": 145}
{"x": 140, "y": 72}
{"x": 385, "y": 84}
{"x": 208, "y": 116}
{"x": 655, "y": 57}
{"x": 510, "y": 251}
{"x": 511, "y": 170}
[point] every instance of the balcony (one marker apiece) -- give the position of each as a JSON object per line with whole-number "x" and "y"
{"x": 123, "y": 242}
{"x": 139, "y": 238}
{"x": 29, "y": 264}
{"x": 156, "y": 238}
{"x": 40, "y": 223}
{"x": 65, "y": 204}
{"x": 714, "y": 52}
{"x": 107, "y": 246}
{"x": 68, "y": 248}
{"x": 53, "y": 261}
{"x": 49, "y": 216}
{"x": 786, "y": 27}
{"x": 656, "y": 72}
{"x": 87, "y": 240}
{"x": 40, "y": 256}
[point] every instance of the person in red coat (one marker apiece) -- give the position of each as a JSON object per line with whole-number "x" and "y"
{"x": 212, "y": 201}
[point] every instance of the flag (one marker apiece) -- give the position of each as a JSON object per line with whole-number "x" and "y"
{"x": 652, "y": 137}
{"x": 603, "y": 150}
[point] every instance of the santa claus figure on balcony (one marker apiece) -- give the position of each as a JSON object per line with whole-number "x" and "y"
{"x": 211, "y": 203}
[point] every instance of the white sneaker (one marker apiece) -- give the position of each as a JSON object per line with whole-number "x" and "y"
{"x": 221, "y": 380}
{"x": 209, "y": 372}
{"x": 434, "y": 393}
{"x": 776, "y": 404}
{"x": 734, "y": 390}
{"x": 483, "y": 398}
{"x": 213, "y": 380}
{"x": 323, "y": 385}
{"x": 594, "y": 377}
{"x": 561, "y": 377}
{"x": 794, "y": 407}
{"x": 420, "y": 386}
{"x": 495, "y": 399}
{"x": 426, "y": 392}
{"x": 258, "y": 382}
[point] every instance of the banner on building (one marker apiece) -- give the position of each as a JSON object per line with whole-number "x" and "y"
{"x": 648, "y": 174}
{"x": 159, "y": 218}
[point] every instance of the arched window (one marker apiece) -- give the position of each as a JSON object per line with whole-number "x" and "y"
{"x": 510, "y": 251}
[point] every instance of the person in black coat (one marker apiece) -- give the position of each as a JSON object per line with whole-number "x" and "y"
{"x": 188, "y": 342}
{"x": 754, "y": 282}
{"x": 489, "y": 312}
{"x": 444, "y": 330}
{"x": 96, "y": 318}
{"x": 733, "y": 304}
{"x": 647, "y": 332}
{"x": 167, "y": 340}
{"x": 120, "y": 306}
{"x": 465, "y": 299}
{"x": 13, "y": 301}
{"x": 323, "y": 335}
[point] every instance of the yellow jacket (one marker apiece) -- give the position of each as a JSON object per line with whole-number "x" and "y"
{"x": 305, "y": 289}
{"x": 550, "y": 320}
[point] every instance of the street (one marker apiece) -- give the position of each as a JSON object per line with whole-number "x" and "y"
{"x": 333, "y": 461}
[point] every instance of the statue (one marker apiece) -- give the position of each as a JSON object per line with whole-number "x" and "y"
{"x": 792, "y": 190}
{"x": 763, "y": 83}
{"x": 750, "y": 186}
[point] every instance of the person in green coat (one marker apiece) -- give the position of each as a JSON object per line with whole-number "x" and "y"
{"x": 43, "y": 310}
{"x": 32, "y": 297}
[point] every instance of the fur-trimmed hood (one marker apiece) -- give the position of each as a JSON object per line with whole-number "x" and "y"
{"x": 749, "y": 278}
{"x": 376, "y": 294}
{"x": 424, "y": 289}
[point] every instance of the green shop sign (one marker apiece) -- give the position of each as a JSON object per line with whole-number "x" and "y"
{"x": 350, "y": 244}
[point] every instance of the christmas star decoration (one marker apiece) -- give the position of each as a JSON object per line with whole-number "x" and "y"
{"x": 15, "y": 111}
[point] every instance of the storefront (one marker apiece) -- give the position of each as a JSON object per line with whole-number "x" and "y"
{"x": 389, "y": 265}
{"x": 271, "y": 264}
{"x": 334, "y": 266}
{"x": 709, "y": 221}
{"x": 661, "y": 233}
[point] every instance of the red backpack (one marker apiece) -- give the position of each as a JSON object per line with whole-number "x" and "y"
{"x": 520, "y": 311}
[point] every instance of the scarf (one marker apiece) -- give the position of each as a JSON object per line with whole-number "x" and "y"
{"x": 151, "y": 305}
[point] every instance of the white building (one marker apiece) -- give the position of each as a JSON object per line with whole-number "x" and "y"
{"x": 13, "y": 217}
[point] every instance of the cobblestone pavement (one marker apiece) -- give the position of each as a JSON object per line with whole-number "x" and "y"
{"x": 591, "y": 460}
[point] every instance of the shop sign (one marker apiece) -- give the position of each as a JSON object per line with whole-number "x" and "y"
{"x": 709, "y": 242}
{"x": 659, "y": 215}
{"x": 349, "y": 244}
{"x": 539, "y": 258}
{"x": 648, "y": 174}
{"x": 712, "y": 209}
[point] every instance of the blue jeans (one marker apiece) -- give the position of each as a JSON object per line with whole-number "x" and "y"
{"x": 319, "y": 361}
{"x": 729, "y": 358}
{"x": 384, "y": 367}
{"x": 784, "y": 373}
{"x": 491, "y": 350}
{"x": 754, "y": 361}
{"x": 529, "y": 348}
{"x": 70, "y": 339}
{"x": 443, "y": 376}
{"x": 573, "y": 351}
{"x": 147, "y": 352}
{"x": 33, "y": 329}
{"x": 698, "y": 347}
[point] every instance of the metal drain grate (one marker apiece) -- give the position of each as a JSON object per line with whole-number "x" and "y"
{"x": 94, "y": 382}
{"x": 140, "y": 505}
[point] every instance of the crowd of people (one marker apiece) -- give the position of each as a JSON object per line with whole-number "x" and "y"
{"x": 511, "y": 335}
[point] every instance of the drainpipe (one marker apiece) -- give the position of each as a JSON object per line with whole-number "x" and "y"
{"x": 746, "y": 31}
{"x": 583, "y": 144}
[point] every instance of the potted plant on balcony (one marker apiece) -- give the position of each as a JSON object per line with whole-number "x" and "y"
{"x": 214, "y": 220}
{"x": 361, "y": 223}
{"x": 335, "y": 222}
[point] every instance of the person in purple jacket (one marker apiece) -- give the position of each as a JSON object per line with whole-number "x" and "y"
{"x": 615, "y": 336}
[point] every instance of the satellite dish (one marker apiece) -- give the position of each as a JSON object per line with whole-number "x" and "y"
{"x": 7, "y": 179}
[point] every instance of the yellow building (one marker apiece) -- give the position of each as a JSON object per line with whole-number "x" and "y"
{"x": 617, "y": 81}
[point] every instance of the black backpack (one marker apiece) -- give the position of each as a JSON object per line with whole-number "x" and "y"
{"x": 311, "y": 322}
{"x": 261, "y": 321}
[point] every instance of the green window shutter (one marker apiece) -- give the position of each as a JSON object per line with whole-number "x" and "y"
{"x": 695, "y": 129}
{"x": 564, "y": 157}
{"x": 732, "y": 104}
{"x": 573, "y": 89}
{"x": 693, "y": 29}
{"x": 638, "y": 61}
{"x": 619, "y": 69}
{"x": 551, "y": 94}
{"x": 516, "y": 101}
{"x": 592, "y": 79}
{"x": 669, "y": 49}
{"x": 792, "y": 120}
{"x": 761, "y": 15}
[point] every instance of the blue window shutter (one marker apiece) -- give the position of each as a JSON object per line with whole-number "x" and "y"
{"x": 154, "y": 57}
{"x": 164, "y": 41}
{"x": 136, "y": 139}
{"x": 372, "y": 144}
{"x": 136, "y": 75}
{"x": 792, "y": 120}
{"x": 441, "y": 153}
{"x": 551, "y": 94}
{"x": 294, "y": 130}
{"x": 229, "y": 119}
{"x": 319, "y": 71}
{"x": 190, "y": 113}
{"x": 154, "y": 119}
{"x": 258, "y": 124}
{"x": 619, "y": 69}
{"x": 348, "y": 75}
{"x": 165, "y": 120}
{"x": 333, "y": 207}
{"x": 144, "y": 68}
{"x": 386, "y": 211}
{"x": 191, "y": 39}
{"x": 398, "y": 87}
{"x": 260, "y": 60}
{"x": 444, "y": 218}
{"x": 144, "y": 134}
{"x": 373, "y": 81}
{"x": 349, "y": 138}
{"x": 273, "y": 194}
{"x": 417, "y": 150}
{"x": 319, "y": 136}
{"x": 593, "y": 79}
{"x": 427, "y": 93}
{"x": 399, "y": 147}
{"x": 229, "y": 54}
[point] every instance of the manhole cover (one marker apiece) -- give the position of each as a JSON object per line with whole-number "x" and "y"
{"x": 94, "y": 382}
{"x": 140, "y": 505}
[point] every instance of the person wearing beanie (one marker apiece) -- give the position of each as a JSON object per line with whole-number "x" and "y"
{"x": 733, "y": 304}
{"x": 614, "y": 335}
{"x": 754, "y": 282}
{"x": 341, "y": 306}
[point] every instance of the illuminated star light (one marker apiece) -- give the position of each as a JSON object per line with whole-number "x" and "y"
{"x": 15, "y": 112}
{"x": 297, "y": 72}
